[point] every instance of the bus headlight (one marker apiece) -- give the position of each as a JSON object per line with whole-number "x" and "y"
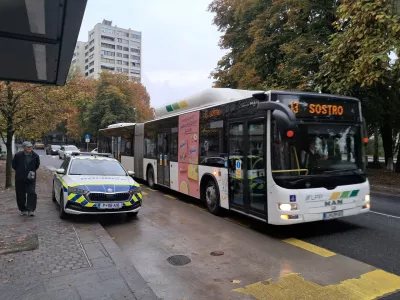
{"x": 367, "y": 198}
{"x": 288, "y": 206}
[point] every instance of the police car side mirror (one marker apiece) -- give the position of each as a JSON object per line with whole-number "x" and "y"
{"x": 60, "y": 171}
{"x": 131, "y": 173}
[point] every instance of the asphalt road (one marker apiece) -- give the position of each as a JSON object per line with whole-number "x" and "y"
{"x": 372, "y": 238}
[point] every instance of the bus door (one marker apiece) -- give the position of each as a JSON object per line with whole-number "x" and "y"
{"x": 163, "y": 140}
{"x": 247, "y": 163}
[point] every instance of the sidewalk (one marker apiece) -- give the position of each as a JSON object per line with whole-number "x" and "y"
{"x": 384, "y": 181}
{"x": 72, "y": 259}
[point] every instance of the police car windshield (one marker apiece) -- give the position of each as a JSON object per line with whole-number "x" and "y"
{"x": 71, "y": 148}
{"x": 96, "y": 167}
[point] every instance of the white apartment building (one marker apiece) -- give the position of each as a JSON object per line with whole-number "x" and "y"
{"x": 78, "y": 59}
{"x": 114, "y": 49}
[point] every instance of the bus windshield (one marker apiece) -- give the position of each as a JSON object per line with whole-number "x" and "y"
{"x": 319, "y": 155}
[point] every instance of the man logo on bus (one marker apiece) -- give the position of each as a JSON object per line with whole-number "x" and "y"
{"x": 333, "y": 202}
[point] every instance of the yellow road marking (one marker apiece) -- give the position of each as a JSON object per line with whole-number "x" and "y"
{"x": 169, "y": 196}
{"x": 237, "y": 223}
{"x": 198, "y": 207}
{"x": 149, "y": 189}
{"x": 310, "y": 247}
{"x": 294, "y": 287}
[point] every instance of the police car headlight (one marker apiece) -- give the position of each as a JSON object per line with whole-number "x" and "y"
{"x": 288, "y": 206}
{"x": 367, "y": 198}
{"x": 73, "y": 190}
{"x": 135, "y": 191}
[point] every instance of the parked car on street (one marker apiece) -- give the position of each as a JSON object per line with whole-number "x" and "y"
{"x": 66, "y": 151}
{"x": 94, "y": 151}
{"x": 52, "y": 149}
{"x": 90, "y": 183}
{"x": 39, "y": 145}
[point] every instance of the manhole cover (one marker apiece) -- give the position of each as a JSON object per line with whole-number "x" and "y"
{"x": 179, "y": 260}
{"x": 217, "y": 253}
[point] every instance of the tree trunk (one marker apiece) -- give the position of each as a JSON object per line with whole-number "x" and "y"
{"x": 387, "y": 141}
{"x": 376, "y": 145}
{"x": 9, "y": 155}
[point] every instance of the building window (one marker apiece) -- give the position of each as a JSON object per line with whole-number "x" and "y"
{"x": 108, "y": 60}
{"x": 86, "y": 74}
{"x": 133, "y": 64}
{"x": 87, "y": 53}
{"x": 119, "y": 62}
{"x": 107, "y": 68}
{"x": 126, "y": 71}
{"x": 119, "y": 40}
{"x": 86, "y": 60}
{"x": 126, "y": 49}
{"x": 86, "y": 47}
{"x": 91, "y": 42}
{"x": 119, "y": 54}
{"x": 108, "y": 53}
{"x": 91, "y": 63}
{"x": 91, "y": 56}
{"x": 86, "y": 67}
{"x": 135, "y": 50}
{"x": 135, "y": 57}
{"x": 135, "y": 36}
{"x": 119, "y": 70}
{"x": 125, "y": 41}
{"x": 126, "y": 55}
{"x": 126, "y": 34}
{"x": 91, "y": 49}
{"x": 91, "y": 71}
{"x": 118, "y": 32}
{"x": 107, "y": 38}
{"x": 107, "y": 30}
{"x": 126, "y": 63}
{"x": 109, "y": 46}
{"x": 135, "y": 72}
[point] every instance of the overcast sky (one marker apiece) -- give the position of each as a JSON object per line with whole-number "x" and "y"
{"x": 180, "y": 44}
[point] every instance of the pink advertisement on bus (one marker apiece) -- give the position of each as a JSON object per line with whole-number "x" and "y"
{"x": 188, "y": 153}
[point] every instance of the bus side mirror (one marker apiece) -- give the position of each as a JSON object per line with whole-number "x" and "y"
{"x": 285, "y": 118}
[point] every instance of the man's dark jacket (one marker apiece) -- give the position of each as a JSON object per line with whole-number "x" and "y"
{"x": 22, "y": 171}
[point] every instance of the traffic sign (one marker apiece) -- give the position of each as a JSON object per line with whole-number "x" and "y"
{"x": 87, "y": 138}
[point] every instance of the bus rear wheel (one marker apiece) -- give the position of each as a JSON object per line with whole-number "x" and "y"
{"x": 150, "y": 178}
{"x": 211, "y": 197}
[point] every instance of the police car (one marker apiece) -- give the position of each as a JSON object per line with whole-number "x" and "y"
{"x": 94, "y": 183}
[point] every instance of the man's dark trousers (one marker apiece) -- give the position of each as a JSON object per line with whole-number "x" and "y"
{"x": 26, "y": 195}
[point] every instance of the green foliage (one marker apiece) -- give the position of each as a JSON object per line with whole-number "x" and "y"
{"x": 272, "y": 44}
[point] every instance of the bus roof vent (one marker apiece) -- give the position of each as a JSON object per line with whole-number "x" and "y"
{"x": 205, "y": 98}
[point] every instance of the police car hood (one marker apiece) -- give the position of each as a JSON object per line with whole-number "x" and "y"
{"x": 103, "y": 184}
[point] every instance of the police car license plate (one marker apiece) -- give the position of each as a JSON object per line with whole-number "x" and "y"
{"x": 333, "y": 215}
{"x": 109, "y": 205}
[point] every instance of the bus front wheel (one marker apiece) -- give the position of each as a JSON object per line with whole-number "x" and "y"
{"x": 211, "y": 197}
{"x": 150, "y": 178}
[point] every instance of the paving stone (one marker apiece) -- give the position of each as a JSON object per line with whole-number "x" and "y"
{"x": 102, "y": 262}
{"x": 64, "y": 294}
{"x": 109, "y": 273}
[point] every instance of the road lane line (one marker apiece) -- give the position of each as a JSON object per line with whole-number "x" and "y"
{"x": 169, "y": 196}
{"x": 310, "y": 247}
{"x": 292, "y": 286}
{"x": 382, "y": 214}
{"x": 237, "y": 223}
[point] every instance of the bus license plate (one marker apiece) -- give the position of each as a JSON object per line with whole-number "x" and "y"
{"x": 109, "y": 205}
{"x": 333, "y": 215}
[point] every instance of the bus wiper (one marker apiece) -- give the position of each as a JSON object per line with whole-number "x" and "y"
{"x": 346, "y": 170}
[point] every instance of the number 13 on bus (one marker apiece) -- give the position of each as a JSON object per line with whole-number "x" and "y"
{"x": 280, "y": 157}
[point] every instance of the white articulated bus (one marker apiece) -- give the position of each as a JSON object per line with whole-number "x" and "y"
{"x": 280, "y": 157}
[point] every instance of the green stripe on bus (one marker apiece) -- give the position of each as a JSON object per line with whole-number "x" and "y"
{"x": 169, "y": 108}
{"x": 175, "y": 106}
{"x": 345, "y": 194}
{"x": 354, "y": 193}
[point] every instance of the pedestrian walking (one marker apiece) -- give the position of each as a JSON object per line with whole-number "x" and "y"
{"x": 25, "y": 163}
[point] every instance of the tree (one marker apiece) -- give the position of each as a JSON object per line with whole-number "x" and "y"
{"x": 357, "y": 62}
{"x": 271, "y": 44}
{"x": 117, "y": 100}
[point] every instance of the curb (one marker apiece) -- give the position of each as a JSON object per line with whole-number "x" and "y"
{"x": 132, "y": 277}
{"x": 384, "y": 189}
